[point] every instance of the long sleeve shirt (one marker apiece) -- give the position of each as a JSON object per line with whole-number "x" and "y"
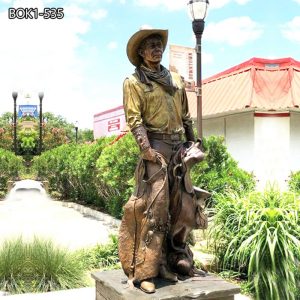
{"x": 155, "y": 109}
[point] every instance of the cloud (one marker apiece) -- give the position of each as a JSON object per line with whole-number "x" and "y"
{"x": 233, "y": 31}
{"x": 291, "y": 30}
{"x": 99, "y": 14}
{"x": 112, "y": 45}
{"x": 74, "y": 11}
{"x": 41, "y": 55}
{"x": 180, "y": 4}
{"x": 216, "y": 4}
{"x": 207, "y": 58}
{"x": 298, "y": 1}
{"x": 242, "y": 2}
{"x": 169, "y": 4}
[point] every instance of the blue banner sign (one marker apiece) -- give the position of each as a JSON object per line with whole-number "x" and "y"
{"x": 28, "y": 111}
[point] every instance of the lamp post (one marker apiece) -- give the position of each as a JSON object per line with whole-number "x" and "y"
{"x": 197, "y": 10}
{"x": 15, "y": 96}
{"x": 76, "y": 131}
{"x": 41, "y": 96}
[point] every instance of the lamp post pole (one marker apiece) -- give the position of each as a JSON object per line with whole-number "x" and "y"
{"x": 15, "y": 96}
{"x": 41, "y": 96}
{"x": 198, "y": 27}
{"x": 197, "y": 11}
{"x": 76, "y": 132}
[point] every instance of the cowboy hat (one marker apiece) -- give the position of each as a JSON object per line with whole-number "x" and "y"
{"x": 135, "y": 41}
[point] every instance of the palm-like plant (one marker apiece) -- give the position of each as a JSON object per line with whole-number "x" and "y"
{"x": 258, "y": 236}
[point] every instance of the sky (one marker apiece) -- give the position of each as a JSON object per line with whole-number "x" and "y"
{"x": 80, "y": 61}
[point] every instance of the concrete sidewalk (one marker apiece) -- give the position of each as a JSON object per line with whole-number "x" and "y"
{"x": 29, "y": 212}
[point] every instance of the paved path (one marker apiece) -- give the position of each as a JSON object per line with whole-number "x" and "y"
{"x": 76, "y": 294}
{"x": 28, "y": 211}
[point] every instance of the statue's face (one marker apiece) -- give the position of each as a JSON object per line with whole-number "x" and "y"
{"x": 152, "y": 50}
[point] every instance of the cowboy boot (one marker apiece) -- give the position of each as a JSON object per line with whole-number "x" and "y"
{"x": 148, "y": 286}
{"x": 164, "y": 273}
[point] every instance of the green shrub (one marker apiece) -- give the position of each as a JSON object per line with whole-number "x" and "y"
{"x": 102, "y": 257}
{"x": 70, "y": 170}
{"x": 258, "y": 237}
{"x": 54, "y": 166}
{"x": 10, "y": 166}
{"x": 294, "y": 182}
{"x": 219, "y": 172}
{"x": 115, "y": 168}
{"x": 102, "y": 174}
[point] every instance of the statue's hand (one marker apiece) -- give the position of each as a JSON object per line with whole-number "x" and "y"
{"x": 149, "y": 154}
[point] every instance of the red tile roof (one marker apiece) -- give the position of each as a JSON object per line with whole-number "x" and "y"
{"x": 267, "y": 84}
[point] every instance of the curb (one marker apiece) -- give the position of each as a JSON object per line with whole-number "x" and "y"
{"x": 89, "y": 212}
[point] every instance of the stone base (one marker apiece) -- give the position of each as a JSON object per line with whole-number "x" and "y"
{"x": 112, "y": 285}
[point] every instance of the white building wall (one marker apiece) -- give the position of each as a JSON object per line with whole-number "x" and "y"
{"x": 238, "y": 131}
{"x": 271, "y": 151}
{"x": 267, "y": 146}
{"x": 295, "y": 142}
{"x": 214, "y": 126}
{"x": 239, "y": 139}
{"x": 111, "y": 122}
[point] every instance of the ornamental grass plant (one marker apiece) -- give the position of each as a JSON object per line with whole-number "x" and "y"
{"x": 53, "y": 268}
{"x": 38, "y": 266}
{"x": 13, "y": 265}
{"x": 257, "y": 236}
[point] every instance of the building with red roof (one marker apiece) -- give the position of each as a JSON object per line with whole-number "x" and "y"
{"x": 255, "y": 106}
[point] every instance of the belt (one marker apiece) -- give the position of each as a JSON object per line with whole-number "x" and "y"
{"x": 165, "y": 136}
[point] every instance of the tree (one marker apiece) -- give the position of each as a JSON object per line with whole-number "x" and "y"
{"x": 6, "y": 131}
{"x": 56, "y": 131}
{"x": 85, "y": 135}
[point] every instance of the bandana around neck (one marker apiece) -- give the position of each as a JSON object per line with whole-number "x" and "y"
{"x": 162, "y": 77}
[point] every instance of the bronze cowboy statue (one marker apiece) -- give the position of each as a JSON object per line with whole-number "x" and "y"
{"x": 165, "y": 206}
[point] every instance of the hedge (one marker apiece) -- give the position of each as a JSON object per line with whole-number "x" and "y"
{"x": 294, "y": 182}
{"x": 10, "y": 166}
{"x": 102, "y": 174}
{"x": 70, "y": 170}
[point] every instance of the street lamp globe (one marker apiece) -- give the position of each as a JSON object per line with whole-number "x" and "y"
{"x": 41, "y": 96}
{"x": 14, "y": 95}
{"x": 197, "y": 9}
